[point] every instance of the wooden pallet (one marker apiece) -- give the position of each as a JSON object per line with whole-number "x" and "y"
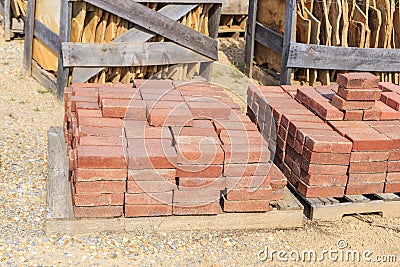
{"x": 286, "y": 213}
{"x": 333, "y": 209}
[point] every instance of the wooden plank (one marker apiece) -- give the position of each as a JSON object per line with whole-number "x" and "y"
{"x": 171, "y": 29}
{"x": 375, "y": 24}
{"x": 136, "y": 34}
{"x": 388, "y": 196}
{"x": 7, "y": 20}
{"x": 269, "y": 38}
{"x": 288, "y": 37}
{"x": 127, "y": 54}
{"x": 356, "y": 198}
{"x": 45, "y": 78}
{"x": 235, "y": 7}
{"x": 65, "y": 33}
{"x": 47, "y": 36}
{"x": 2, "y": 8}
{"x": 289, "y": 202}
{"x": 29, "y": 29}
{"x": 59, "y": 197}
{"x": 250, "y": 37}
{"x": 344, "y": 58}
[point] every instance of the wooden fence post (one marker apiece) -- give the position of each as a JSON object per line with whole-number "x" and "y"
{"x": 288, "y": 37}
{"x": 250, "y": 35}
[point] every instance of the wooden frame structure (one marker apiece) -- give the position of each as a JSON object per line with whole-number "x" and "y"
{"x": 299, "y": 55}
{"x": 11, "y": 25}
{"x": 130, "y": 49}
{"x": 234, "y": 17}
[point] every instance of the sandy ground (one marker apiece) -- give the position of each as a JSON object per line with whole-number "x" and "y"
{"x": 28, "y": 110}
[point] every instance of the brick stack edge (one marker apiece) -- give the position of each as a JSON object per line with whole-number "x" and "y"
{"x": 333, "y": 140}
{"x": 165, "y": 148}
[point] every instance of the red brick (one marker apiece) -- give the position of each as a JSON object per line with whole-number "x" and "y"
{"x": 325, "y": 180}
{"x": 323, "y": 169}
{"x": 100, "y": 187}
{"x": 199, "y": 171}
{"x": 86, "y": 105}
{"x": 198, "y": 209}
{"x": 244, "y": 153}
{"x": 209, "y": 108}
{"x": 248, "y": 182}
{"x": 101, "y": 175}
{"x": 101, "y": 141}
{"x": 90, "y": 100}
{"x": 368, "y": 167}
{"x": 163, "y": 198}
{"x": 369, "y": 142}
{"x": 186, "y": 183}
{"x": 208, "y": 124}
{"x": 387, "y": 113}
{"x": 249, "y": 194}
{"x": 389, "y": 87}
{"x": 393, "y": 166}
{"x": 151, "y": 153}
{"x": 149, "y": 186}
{"x": 393, "y": 177}
{"x": 98, "y": 212}
{"x": 326, "y": 158}
{"x": 357, "y": 80}
{"x": 241, "y": 169}
{"x": 366, "y": 94}
{"x": 392, "y": 100}
{"x": 246, "y": 206}
{"x": 147, "y": 210}
{"x": 392, "y": 187}
{"x": 196, "y": 195}
{"x": 320, "y": 191}
{"x": 101, "y": 157}
{"x": 342, "y": 104}
{"x": 361, "y": 178}
{"x": 355, "y": 115}
{"x": 91, "y": 200}
{"x": 101, "y": 122}
{"x": 245, "y": 125}
{"x": 394, "y": 155}
{"x": 364, "y": 188}
{"x": 170, "y": 117}
{"x": 324, "y": 144}
{"x": 278, "y": 195}
{"x": 372, "y": 114}
{"x": 93, "y": 113}
{"x": 195, "y": 131}
{"x": 127, "y": 109}
{"x": 367, "y": 156}
{"x": 100, "y": 131}
{"x": 199, "y": 154}
{"x": 152, "y": 175}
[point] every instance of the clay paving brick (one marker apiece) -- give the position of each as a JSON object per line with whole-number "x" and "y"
{"x": 324, "y": 143}
{"x": 366, "y": 156}
{"x": 368, "y": 94}
{"x": 359, "y": 178}
{"x": 391, "y": 99}
{"x": 393, "y": 166}
{"x": 86, "y": 105}
{"x": 199, "y": 171}
{"x": 127, "y": 109}
{"x": 100, "y": 187}
{"x": 262, "y": 181}
{"x": 152, "y": 175}
{"x": 151, "y": 153}
{"x": 101, "y": 122}
{"x": 196, "y": 195}
{"x": 88, "y": 113}
{"x": 342, "y": 104}
{"x": 249, "y": 194}
{"x": 356, "y": 115}
{"x": 101, "y": 157}
{"x": 91, "y": 200}
{"x": 98, "y": 212}
{"x": 199, "y": 209}
{"x": 387, "y": 113}
{"x": 368, "y": 142}
{"x": 393, "y": 177}
{"x": 389, "y": 87}
{"x": 246, "y": 206}
{"x": 149, "y": 186}
{"x": 394, "y": 155}
{"x": 100, "y": 131}
{"x": 326, "y": 158}
{"x": 392, "y": 187}
{"x": 101, "y": 174}
{"x": 245, "y": 125}
{"x": 209, "y": 109}
{"x": 194, "y": 131}
{"x": 163, "y": 198}
{"x": 325, "y": 180}
{"x": 101, "y": 141}
{"x": 246, "y": 153}
{"x": 357, "y": 80}
{"x": 368, "y": 167}
{"x": 170, "y": 117}
{"x": 147, "y": 210}
{"x": 244, "y": 169}
{"x": 185, "y": 183}
{"x": 320, "y": 191}
{"x": 323, "y": 169}
{"x": 372, "y": 114}
{"x": 370, "y": 188}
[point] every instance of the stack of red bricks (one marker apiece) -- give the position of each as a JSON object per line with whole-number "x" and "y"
{"x": 164, "y": 148}
{"x": 352, "y": 149}
{"x": 311, "y": 154}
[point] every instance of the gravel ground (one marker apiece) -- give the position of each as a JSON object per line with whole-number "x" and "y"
{"x": 26, "y": 113}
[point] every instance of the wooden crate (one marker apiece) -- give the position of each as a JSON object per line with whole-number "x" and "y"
{"x": 13, "y": 12}
{"x": 234, "y": 16}
{"x": 306, "y": 46}
{"x": 115, "y": 41}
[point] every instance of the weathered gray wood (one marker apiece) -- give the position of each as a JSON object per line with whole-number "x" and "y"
{"x": 269, "y": 38}
{"x": 357, "y": 198}
{"x": 29, "y": 29}
{"x": 250, "y": 38}
{"x": 59, "y": 198}
{"x": 183, "y": 1}
{"x": 388, "y": 197}
{"x": 343, "y": 58}
{"x": 288, "y": 38}
{"x": 289, "y": 202}
{"x": 7, "y": 20}
{"x": 45, "y": 78}
{"x": 235, "y": 7}
{"x": 47, "y": 36}
{"x": 2, "y": 8}
{"x": 214, "y": 17}
{"x": 137, "y": 35}
{"x": 171, "y": 29}
{"x": 65, "y": 33}
{"x": 127, "y": 54}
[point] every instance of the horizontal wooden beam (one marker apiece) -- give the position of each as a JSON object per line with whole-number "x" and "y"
{"x": 343, "y": 58}
{"x": 47, "y": 36}
{"x": 173, "y": 1}
{"x": 162, "y": 25}
{"x": 269, "y": 38}
{"x": 127, "y": 54}
{"x": 235, "y": 7}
